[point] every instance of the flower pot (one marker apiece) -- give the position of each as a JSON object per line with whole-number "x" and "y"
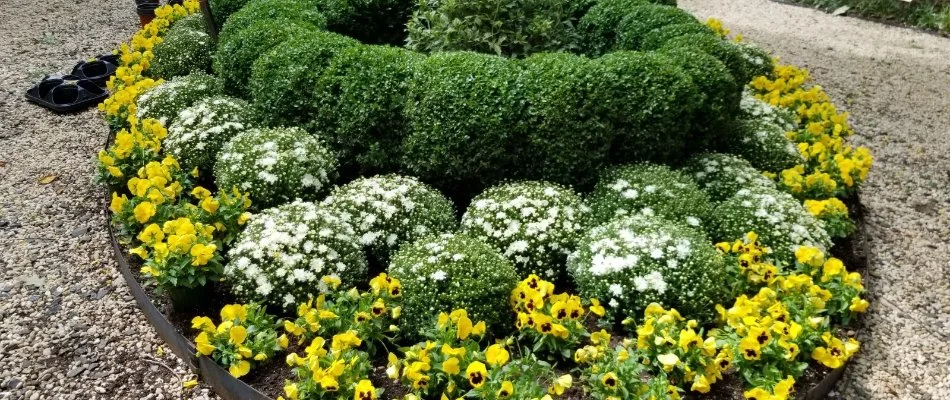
{"x": 186, "y": 299}
{"x": 174, "y": 2}
{"x": 146, "y": 12}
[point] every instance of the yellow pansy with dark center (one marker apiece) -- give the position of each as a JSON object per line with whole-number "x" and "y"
{"x": 477, "y": 373}
{"x": 610, "y": 380}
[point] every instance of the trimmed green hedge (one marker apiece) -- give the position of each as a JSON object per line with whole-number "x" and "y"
{"x": 272, "y": 10}
{"x": 640, "y": 21}
{"x": 599, "y": 26}
{"x": 658, "y": 37}
{"x": 237, "y": 54}
{"x": 727, "y": 52}
{"x": 719, "y": 95}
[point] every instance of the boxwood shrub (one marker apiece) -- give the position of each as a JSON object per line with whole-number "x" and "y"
{"x": 641, "y": 20}
{"x": 568, "y": 140}
{"x": 764, "y": 144}
{"x": 182, "y": 51}
{"x": 221, "y": 10}
{"x": 648, "y": 189}
{"x": 649, "y": 100}
{"x": 599, "y": 26}
{"x": 238, "y": 52}
{"x": 272, "y": 10}
{"x": 658, "y": 37}
{"x": 282, "y": 80}
{"x": 360, "y": 100}
{"x": 200, "y": 131}
{"x": 464, "y": 110}
{"x": 634, "y": 261}
{"x": 534, "y": 224}
{"x": 165, "y": 101}
{"x": 780, "y": 220}
{"x": 390, "y": 210}
{"x": 275, "y": 166}
{"x": 725, "y": 51}
{"x": 447, "y": 272}
{"x": 369, "y": 21}
{"x": 722, "y": 175}
{"x": 283, "y": 253}
{"x": 719, "y": 95}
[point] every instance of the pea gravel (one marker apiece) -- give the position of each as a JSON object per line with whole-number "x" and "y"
{"x": 70, "y": 330}
{"x": 895, "y": 82}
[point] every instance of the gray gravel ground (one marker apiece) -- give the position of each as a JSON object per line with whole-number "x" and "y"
{"x": 896, "y": 84}
{"x": 69, "y": 329}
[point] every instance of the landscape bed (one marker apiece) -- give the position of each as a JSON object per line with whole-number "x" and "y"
{"x": 631, "y": 155}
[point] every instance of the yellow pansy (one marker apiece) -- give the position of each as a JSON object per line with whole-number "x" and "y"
{"x": 476, "y": 373}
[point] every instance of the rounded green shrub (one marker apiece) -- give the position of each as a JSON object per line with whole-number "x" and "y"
{"x": 370, "y": 21}
{"x": 658, "y": 37}
{"x": 221, "y": 10}
{"x": 282, "y": 80}
{"x": 442, "y": 273}
{"x": 780, "y": 220}
{"x": 534, "y": 224}
{"x": 718, "y": 95}
{"x": 283, "y": 253}
{"x": 599, "y": 26}
{"x": 764, "y": 144}
{"x": 275, "y": 166}
{"x": 360, "y": 101}
{"x": 181, "y": 52}
{"x": 649, "y": 101}
{"x": 634, "y": 261}
{"x": 464, "y": 111}
{"x": 722, "y": 175}
{"x": 165, "y": 101}
{"x": 568, "y": 141}
{"x": 304, "y": 11}
{"x": 648, "y": 189}
{"x": 200, "y": 131}
{"x": 390, "y": 210}
{"x": 641, "y": 20}
{"x": 727, "y": 52}
{"x": 237, "y": 54}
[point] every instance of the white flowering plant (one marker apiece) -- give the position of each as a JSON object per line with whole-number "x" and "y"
{"x": 751, "y": 107}
{"x": 781, "y": 222}
{"x": 182, "y": 51}
{"x": 634, "y": 261}
{"x": 533, "y": 224}
{"x": 284, "y": 253}
{"x": 275, "y": 165}
{"x": 165, "y": 101}
{"x": 200, "y": 131}
{"x": 440, "y": 273}
{"x": 650, "y": 190}
{"x": 390, "y": 210}
{"x": 722, "y": 175}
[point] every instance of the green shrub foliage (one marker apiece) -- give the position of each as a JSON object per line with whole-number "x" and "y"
{"x": 534, "y": 224}
{"x": 780, "y": 220}
{"x": 501, "y": 27}
{"x": 727, "y": 52}
{"x": 599, "y": 26}
{"x": 238, "y": 53}
{"x": 758, "y": 61}
{"x": 221, "y": 10}
{"x": 718, "y": 101}
{"x": 182, "y": 51}
{"x": 722, "y": 175}
{"x": 275, "y": 166}
{"x": 200, "y": 131}
{"x": 360, "y": 101}
{"x": 283, "y": 79}
{"x": 764, "y": 144}
{"x": 641, "y": 20}
{"x": 195, "y": 22}
{"x": 649, "y": 100}
{"x": 388, "y": 211}
{"x": 282, "y": 255}
{"x": 568, "y": 141}
{"x": 658, "y": 37}
{"x": 647, "y": 189}
{"x": 464, "y": 111}
{"x": 304, "y": 11}
{"x": 448, "y": 272}
{"x": 371, "y": 21}
{"x": 634, "y": 261}
{"x": 165, "y": 101}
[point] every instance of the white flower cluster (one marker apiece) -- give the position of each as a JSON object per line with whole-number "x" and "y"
{"x": 182, "y": 51}
{"x": 164, "y": 102}
{"x": 199, "y": 132}
{"x": 389, "y": 210}
{"x": 275, "y": 165}
{"x": 534, "y": 224}
{"x": 441, "y": 273}
{"x": 634, "y": 261}
{"x": 648, "y": 189}
{"x": 284, "y": 252}
{"x": 781, "y": 222}
{"x": 722, "y": 175}
{"x": 764, "y": 144}
{"x": 752, "y": 108}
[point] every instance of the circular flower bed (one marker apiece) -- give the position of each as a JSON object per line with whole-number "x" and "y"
{"x": 606, "y": 165}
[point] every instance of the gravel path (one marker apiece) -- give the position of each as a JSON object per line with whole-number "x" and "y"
{"x": 896, "y": 84}
{"x": 69, "y": 329}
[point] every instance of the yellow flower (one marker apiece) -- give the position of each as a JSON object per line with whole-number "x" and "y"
{"x": 202, "y": 323}
{"x": 234, "y": 311}
{"x": 859, "y": 305}
{"x": 610, "y": 380}
{"x": 496, "y": 355}
{"x": 507, "y": 389}
{"x": 202, "y": 253}
{"x": 750, "y": 348}
{"x": 242, "y": 219}
{"x": 757, "y": 394}
{"x": 364, "y": 391}
{"x": 200, "y": 193}
{"x": 345, "y": 341}
{"x": 237, "y": 334}
{"x": 117, "y": 203}
{"x": 561, "y": 384}
{"x": 141, "y": 252}
{"x": 240, "y": 368}
{"x": 669, "y": 361}
{"x": 203, "y": 345}
{"x": 477, "y": 374}
{"x": 783, "y": 389}
{"x": 329, "y": 383}
{"x": 451, "y": 366}
{"x": 596, "y": 308}
{"x": 601, "y": 337}
{"x": 479, "y": 329}
{"x": 210, "y": 204}
{"x": 291, "y": 391}
{"x": 144, "y": 211}
{"x": 464, "y": 327}
{"x": 700, "y": 384}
